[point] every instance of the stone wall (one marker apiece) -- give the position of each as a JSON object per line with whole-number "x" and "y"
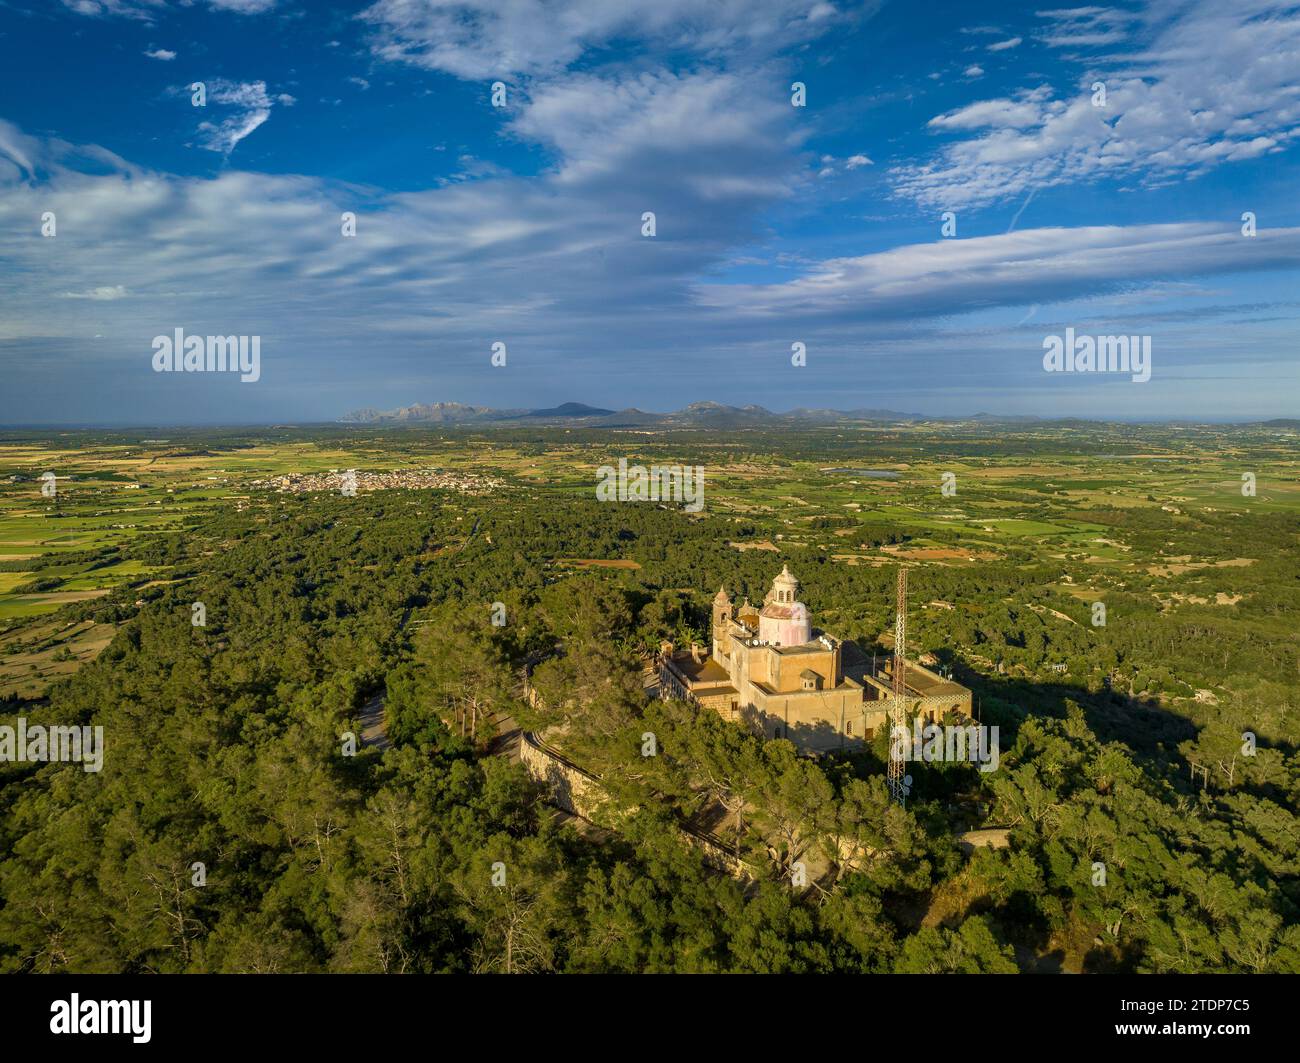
{"x": 576, "y": 791}
{"x": 579, "y": 792}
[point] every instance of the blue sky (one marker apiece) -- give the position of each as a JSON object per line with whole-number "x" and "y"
{"x": 522, "y": 224}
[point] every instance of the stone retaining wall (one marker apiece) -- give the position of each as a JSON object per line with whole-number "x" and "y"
{"x": 580, "y": 793}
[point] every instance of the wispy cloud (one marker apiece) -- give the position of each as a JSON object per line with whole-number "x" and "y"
{"x": 147, "y": 10}
{"x": 486, "y": 39}
{"x": 251, "y": 104}
{"x": 102, "y": 294}
{"x": 1081, "y": 27}
{"x": 705, "y": 150}
{"x": 950, "y": 277}
{"x": 1214, "y": 86}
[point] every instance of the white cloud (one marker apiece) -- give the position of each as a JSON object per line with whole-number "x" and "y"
{"x": 252, "y": 105}
{"x": 554, "y": 264}
{"x": 18, "y": 147}
{"x": 243, "y": 7}
{"x": 428, "y": 263}
{"x": 101, "y": 294}
{"x": 146, "y": 10}
{"x": 974, "y": 71}
{"x": 162, "y": 54}
{"x": 1032, "y": 266}
{"x": 1002, "y": 46}
{"x": 722, "y": 136}
{"x": 1026, "y": 110}
{"x": 362, "y": 83}
{"x": 476, "y": 39}
{"x": 141, "y": 9}
{"x": 1080, "y": 27}
{"x": 855, "y": 161}
{"x": 1214, "y": 85}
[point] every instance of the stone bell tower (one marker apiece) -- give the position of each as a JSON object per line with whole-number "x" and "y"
{"x": 722, "y": 613}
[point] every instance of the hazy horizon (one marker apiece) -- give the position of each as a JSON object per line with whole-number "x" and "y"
{"x": 992, "y": 416}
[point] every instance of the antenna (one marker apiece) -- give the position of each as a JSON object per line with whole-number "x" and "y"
{"x": 897, "y": 787}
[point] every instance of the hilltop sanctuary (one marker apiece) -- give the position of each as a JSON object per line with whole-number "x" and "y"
{"x": 771, "y": 670}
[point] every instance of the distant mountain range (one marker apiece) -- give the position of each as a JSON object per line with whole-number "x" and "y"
{"x": 697, "y": 414}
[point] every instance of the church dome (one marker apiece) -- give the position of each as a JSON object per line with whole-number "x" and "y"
{"x": 784, "y": 620}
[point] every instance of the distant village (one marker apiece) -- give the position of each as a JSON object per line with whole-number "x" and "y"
{"x": 355, "y": 480}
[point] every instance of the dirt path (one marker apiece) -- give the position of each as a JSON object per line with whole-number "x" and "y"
{"x": 374, "y": 724}
{"x": 506, "y": 742}
{"x": 992, "y": 837}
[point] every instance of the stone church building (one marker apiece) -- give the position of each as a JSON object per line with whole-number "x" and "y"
{"x": 771, "y": 670}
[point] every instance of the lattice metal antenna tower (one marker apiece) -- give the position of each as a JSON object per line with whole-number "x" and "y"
{"x": 897, "y": 764}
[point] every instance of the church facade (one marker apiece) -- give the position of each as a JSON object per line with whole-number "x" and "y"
{"x": 771, "y": 670}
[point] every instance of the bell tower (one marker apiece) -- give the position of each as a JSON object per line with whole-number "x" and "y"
{"x": 722, "y": 612}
